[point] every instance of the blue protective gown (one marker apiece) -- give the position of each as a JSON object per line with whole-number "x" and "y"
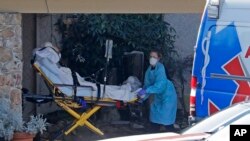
{"x": 164, "y": 106}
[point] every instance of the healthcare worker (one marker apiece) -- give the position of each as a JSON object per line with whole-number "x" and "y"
{"x": 164, "y": 105}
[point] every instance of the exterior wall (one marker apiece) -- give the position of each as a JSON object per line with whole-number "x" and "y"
{"x": 11, "y": 57}
{"x": 186, "y": 26}
{"x": 29, "y": 43}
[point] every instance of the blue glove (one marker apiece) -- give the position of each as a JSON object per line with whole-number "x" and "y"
{"x": 83, "y": 103}
{"x": 141, "y": 94}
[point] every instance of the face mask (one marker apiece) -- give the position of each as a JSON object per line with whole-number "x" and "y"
{"x": 153, "y": 61}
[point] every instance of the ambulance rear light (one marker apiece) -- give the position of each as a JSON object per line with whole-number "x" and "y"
{"x": 192, "y": 102}
{"x": 193, "y": 82}
{"x": 213, "y": 9}
{"x": 192, "y": 99}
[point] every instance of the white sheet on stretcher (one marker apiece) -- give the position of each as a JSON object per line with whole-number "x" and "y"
{"x": 122, "y": 93}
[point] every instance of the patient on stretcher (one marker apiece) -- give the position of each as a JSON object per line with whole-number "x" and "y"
{"x": 47, "y": 59}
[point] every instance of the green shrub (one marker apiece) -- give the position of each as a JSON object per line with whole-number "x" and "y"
{"x": 85, "y": 35}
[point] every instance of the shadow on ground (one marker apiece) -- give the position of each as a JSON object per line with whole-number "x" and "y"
{"x": 60, "y": 120}
{"x": 84, "y": 134}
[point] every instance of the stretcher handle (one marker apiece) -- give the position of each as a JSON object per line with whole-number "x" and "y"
{"x": 67, "y": 85}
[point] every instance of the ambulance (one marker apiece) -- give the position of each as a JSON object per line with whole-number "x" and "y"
{"x": 221, "y": 67}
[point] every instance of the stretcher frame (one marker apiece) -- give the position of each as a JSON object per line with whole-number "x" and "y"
{"x": 69, "y": 104}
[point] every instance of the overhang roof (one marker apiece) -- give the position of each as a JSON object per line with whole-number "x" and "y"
{"x": 102, "y": 6}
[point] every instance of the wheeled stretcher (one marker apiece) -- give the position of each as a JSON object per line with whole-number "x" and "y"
{"x": 70, "y": 103}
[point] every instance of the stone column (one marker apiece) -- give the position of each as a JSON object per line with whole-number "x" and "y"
{"x": 11, "y": 58}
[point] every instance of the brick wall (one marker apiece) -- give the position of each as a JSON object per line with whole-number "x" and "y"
{"x": 11, "y": 58}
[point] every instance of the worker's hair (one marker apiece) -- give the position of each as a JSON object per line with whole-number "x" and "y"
{"x": 157, "y": 51}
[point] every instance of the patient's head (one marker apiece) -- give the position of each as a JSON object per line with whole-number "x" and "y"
{"x": 49, "y": 44}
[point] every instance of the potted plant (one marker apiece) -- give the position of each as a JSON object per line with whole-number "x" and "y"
{"x": 12, "y": 126}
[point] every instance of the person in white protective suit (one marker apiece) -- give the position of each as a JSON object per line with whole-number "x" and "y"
{"x": 47, "y": 58}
